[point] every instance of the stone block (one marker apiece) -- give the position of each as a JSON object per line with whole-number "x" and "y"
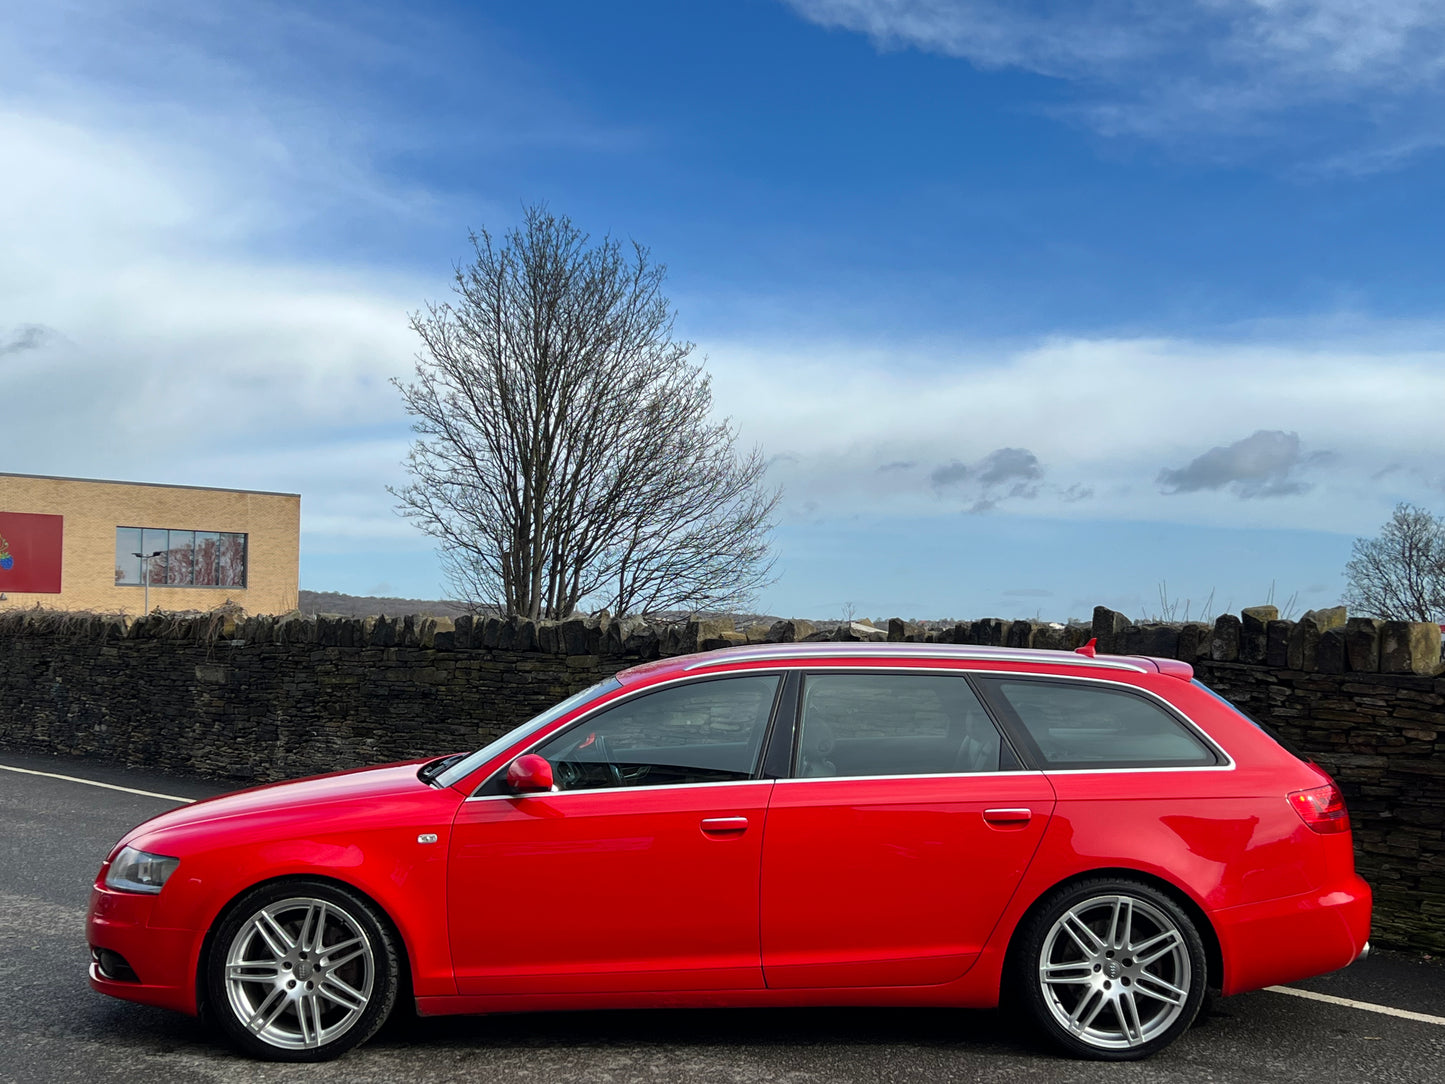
{"x": 1362, "y": 645}
{"x": 1333, "y": 617}
{"x": 1253, "y": 632}
{"x": 1019, "y": 633}
{"x": 988, "y": 632}
{"x": 443, "y": 633}
{"x": 383, "y": 632}
{"x": 1302, "y": 650}
{"x": 1332, "y": 657}
{"x": 1050, "y": 637}
{"x": 790, "y": 631}
{"x": 575, "y": 638}
{"x": 1193, "y": 641}
{"x": 1410, "y": 647}
{"x": 1224, "y": 641}
{"x": 1107, "y": 626}
{"x": 462, "y": 631}
{"x": 1159, "y": 641}
{"x": 1276, "y": 650}
{"x": 526, "y": 635}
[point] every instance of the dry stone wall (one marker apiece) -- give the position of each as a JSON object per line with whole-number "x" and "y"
{"x": 270, "y": 698}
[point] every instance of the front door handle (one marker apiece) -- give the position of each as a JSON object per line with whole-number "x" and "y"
{"x": 1008, "y": 818}
{"x": 724, "y": 826}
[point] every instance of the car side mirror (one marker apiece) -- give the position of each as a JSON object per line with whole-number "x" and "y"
{"x": 528, "y": 774}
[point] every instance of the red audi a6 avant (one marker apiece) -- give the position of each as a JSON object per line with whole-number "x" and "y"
{"x": 1097, "y": 839}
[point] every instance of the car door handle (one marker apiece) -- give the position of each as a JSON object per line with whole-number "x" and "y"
{"x": 724, "y": 826}
{"x": 1008, "y": 818}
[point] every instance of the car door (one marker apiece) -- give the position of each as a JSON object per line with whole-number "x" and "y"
{"x": 905, "y": 829}
{"x": 640, "y": 870}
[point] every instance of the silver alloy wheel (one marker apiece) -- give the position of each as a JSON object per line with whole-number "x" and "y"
{"x": 299, "y": 973}
{"x": 1114, "y": 972}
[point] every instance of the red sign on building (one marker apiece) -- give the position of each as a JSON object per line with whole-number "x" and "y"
{"x": 30, "y": 553}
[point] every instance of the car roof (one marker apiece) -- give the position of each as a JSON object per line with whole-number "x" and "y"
{"x": 832, "y": 650}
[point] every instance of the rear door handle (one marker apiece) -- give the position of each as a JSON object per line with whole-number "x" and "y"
{"x": 1008, "y": 818}
{"x": 724, "y": 826}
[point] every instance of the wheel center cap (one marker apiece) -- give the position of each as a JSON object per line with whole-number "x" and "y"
{"x": 1112, "y": 969}
{"x": 304, "y": 970}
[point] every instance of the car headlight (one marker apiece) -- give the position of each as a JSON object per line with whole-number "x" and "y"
{"x": 139, "y": 871}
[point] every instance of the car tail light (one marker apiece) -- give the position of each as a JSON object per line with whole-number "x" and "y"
{"x": 1322, "y": 808}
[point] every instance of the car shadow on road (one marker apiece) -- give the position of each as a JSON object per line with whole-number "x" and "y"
{"x": 734, "y": 1028}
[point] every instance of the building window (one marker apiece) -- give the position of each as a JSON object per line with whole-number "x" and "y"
{"x": 183, "y": 558}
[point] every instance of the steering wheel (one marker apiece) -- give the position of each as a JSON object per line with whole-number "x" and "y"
{"x": 614, "y": 773}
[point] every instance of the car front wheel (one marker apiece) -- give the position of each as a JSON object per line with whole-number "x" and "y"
{"x": 301, "y": 971}
{"x": 1111, "y": 970}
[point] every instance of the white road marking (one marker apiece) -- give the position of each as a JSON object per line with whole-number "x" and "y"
{"x": 1403, "y": 1014}
{"x": 93, "y": 783}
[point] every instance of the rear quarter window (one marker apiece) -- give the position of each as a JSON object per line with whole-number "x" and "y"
{"x": 1077, "y": 725}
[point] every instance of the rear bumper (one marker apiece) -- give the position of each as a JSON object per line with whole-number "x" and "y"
{"x": 162, "y": 960}
{"x": 1294, "y": 937}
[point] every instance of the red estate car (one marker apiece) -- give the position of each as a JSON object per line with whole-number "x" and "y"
{"x": 816, "y": 824}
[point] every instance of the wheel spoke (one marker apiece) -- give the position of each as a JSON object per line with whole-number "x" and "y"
{"x": 259, "y": 971}
{"x": 333, "y": 962}
{"x": 1080, "y": 1019}
{"x": 1066, "y": 974}
{"x": 330, "y": 951}
{"x": 304, "y": 1015}
{"x": 311, "y": 926}
{"x": 342, "y": 993}
{"x": 1160, "y": 989}
{"x": 261, "y": 1019}
{"x": 1128, "y": 1012}
{"x": 273, "y": 933}
{"x": 1085, "y": 938}
{"x": 1158, "y": 947}
{"x": 1121, "y": 924}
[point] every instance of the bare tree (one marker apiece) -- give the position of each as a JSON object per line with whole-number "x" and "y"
{"x": 565, "y": 452}
{"x": 1400, "y": 574}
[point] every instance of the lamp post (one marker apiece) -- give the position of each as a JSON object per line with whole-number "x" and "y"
{"x": 145, "y": 570}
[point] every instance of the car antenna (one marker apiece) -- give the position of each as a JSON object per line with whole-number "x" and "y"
{"x": 1087, "y": 649}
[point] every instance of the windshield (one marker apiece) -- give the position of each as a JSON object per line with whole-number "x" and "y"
{"x": 470, "y": 763}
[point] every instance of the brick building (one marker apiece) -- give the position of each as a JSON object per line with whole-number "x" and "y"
{"x": 85, "y": 544}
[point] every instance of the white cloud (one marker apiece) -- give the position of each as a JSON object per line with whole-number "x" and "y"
{"x": 1232, "y": 69}
{"x": 1100, "y": 416}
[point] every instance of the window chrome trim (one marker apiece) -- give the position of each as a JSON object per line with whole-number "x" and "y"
{"x": 618, "y": 790}
{"x": 629, "y": 693}
{"x": 897, "y": 650}
{"x": 1022, "y": 772}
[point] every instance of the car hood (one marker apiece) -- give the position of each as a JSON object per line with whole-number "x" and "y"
{"x": 359, "y": 784}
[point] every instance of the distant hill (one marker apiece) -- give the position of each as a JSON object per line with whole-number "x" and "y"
{"x": 333, "y": 602}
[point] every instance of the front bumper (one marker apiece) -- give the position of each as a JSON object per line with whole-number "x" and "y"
{"x": 163, "y": 960}
{"x": 1294, "y": 937}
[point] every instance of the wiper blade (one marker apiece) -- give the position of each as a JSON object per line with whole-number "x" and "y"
{"x": 433, "y": 768}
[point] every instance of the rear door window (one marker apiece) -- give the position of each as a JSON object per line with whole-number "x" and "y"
{"x": 881, "y": 724}
{"x": 1074, "y": 724}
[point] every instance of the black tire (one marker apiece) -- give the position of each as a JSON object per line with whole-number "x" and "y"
{"x": 273, "y": 990}
{"x": 1110, "y": 970}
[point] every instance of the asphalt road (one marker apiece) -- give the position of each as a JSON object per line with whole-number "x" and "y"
{"x": 53, "y": 835}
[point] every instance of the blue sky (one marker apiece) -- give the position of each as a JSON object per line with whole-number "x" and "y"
{"x": 1033, "y": 306}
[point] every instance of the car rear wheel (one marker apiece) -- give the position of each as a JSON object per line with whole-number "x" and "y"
{"x": 1111, "y": 970}
{"x": 301, "y": 971}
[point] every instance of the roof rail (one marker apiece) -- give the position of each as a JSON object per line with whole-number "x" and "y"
{"x": 976, "y": 653}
